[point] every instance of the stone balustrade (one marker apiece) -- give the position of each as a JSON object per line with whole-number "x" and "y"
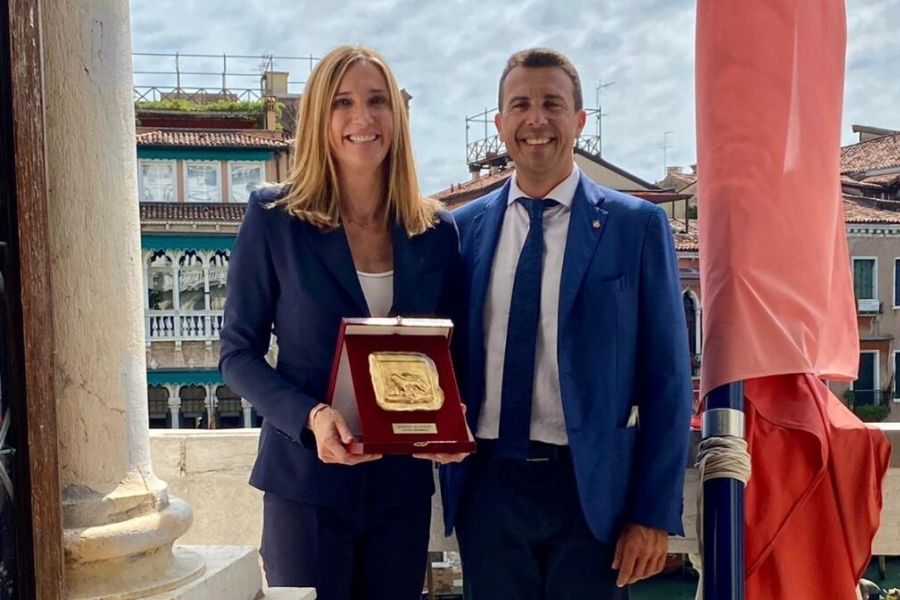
{"x": 210, "y": 469}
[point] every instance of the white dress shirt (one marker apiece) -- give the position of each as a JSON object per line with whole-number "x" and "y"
{"x": 378, "y": 289}
{"x": 547, "y": 420}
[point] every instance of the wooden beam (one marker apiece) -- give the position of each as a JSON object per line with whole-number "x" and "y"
{"x": 33, "y": 363}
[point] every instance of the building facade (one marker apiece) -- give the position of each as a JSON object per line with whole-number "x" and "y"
{"x": 193, "y": 185}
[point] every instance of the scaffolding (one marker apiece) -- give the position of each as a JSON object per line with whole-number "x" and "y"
{"x": 206, "y": 78}
{"x": 484, "y": 150}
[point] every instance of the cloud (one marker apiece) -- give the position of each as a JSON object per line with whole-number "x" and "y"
{"x": 449, "y": 54}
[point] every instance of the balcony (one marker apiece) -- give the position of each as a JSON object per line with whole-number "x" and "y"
{"x": 179, "y": 326}
{"x": 868, "y": 306}
{"x": 203, "y": 467}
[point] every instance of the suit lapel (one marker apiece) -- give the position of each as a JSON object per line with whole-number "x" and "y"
{"x": 486, "y": 234}
{"x": 334, "y": 251}
{"x": 586, "y": 226}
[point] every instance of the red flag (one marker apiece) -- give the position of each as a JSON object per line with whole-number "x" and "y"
{"x": 778, "y": 308}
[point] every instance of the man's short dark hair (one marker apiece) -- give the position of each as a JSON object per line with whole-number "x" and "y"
{"x": 536, "y": 58}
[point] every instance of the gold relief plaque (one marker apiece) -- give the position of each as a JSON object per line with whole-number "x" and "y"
{"x": 405, "y": 381}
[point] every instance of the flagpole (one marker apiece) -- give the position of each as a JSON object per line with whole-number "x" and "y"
{"x": 723, "y": 502}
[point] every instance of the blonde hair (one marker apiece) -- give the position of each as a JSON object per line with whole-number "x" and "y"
{"x": 312, "y": 190}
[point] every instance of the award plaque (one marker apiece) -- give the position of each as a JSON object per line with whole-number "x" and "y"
{"x": 393, "y": 383}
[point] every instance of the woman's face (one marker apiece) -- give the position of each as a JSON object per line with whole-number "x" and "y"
{"x": 362, "y": 121}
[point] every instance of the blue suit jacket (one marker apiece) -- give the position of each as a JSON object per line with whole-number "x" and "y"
{"x": 291, "y": 278}
{"x": 622, "y": 342}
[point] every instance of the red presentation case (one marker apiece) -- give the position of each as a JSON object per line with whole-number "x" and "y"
{"x": 380, "y": 431}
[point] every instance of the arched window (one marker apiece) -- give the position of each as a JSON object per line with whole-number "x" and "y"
{"x": 160, "y": 281}
{"x": 158, "y": 406}
{"x": 193, "y": 407}
{"x": 218, "y": 274}
{"x": 191, "y": 282}
{"x": 229, "y": 412}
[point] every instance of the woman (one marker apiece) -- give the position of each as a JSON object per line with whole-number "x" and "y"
{"x": 347, "y": 235}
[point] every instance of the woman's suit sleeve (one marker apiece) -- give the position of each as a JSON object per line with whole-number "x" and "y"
{"x": 252, "y": 294}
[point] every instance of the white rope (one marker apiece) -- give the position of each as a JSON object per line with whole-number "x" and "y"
{"x": 718, "y": 457}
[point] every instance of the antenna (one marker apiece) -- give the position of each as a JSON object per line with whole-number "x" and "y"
{"x": 600, "y": 115}
{"x": 665, "y": 148}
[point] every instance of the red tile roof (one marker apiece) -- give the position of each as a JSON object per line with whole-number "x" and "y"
{"x": 847, "y": 180}
{"x": 882, "y": 180}
{"x": 878, "y": 153}
{"x": 483, "y": 185}
{"x": 469, "y": 190}
{"x": 677, "y": 181}
{"x": 188, "y": 138}
{"x": 176, "y": 211}
{"x": 859, "y": 210}
{"x": 685, "y": 241}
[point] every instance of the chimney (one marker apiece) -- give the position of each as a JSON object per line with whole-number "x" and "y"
{"x": 406, "y": 97}
{"x": 271, "y": 114}
{"x": 673, "y": 171}
{"x": 275, "y": 83}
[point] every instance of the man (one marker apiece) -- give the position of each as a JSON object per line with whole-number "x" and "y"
{"x": 573, "y": 362}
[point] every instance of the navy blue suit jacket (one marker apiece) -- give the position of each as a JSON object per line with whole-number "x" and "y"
{"x": 292, "y": 279}
{"x": 622, "y": 342}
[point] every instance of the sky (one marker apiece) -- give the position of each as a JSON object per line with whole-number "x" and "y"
{"x": 449, "y": 54}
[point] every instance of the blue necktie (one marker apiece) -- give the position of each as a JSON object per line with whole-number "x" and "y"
{"x": 521, "y": 336}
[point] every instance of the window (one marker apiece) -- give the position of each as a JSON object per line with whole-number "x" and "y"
{"x": 191, "y": 287}
{"x": 229, "y": 411}
{"x": 218, "y": 274}
{"x": 193, "y": 407}
{"x": 158, "y": 406}
{"x": 692, "y": 318}
{"x": 897, "y": 282}
{"x": 244, "y": 178}
{"x": 160, "y": 282}
{"x": 896, "y": 393}
{"x": 156, "y": 180}
{"x": 865, "y": 388}
{"x": 202, "y": 181}
{"x": 864, "y": 282}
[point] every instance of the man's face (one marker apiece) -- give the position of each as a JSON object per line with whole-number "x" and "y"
{"x": 538, "y": 121}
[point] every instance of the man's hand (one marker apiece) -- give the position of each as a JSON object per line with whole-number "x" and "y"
{"x": 332, "y": 433}
{"x": 444, "y": 457}
{"x": 640, "y": 553}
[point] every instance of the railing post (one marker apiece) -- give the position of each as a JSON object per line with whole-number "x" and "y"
{"x": 723, "y": 502}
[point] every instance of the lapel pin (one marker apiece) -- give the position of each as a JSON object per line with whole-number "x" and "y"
{"x": 596, "y": 224}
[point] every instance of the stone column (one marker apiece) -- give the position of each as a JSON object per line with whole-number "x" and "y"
{"x": 119, "y": 520}
{"x": 248, "y": 413}
{"x": 175, "y": 410}
{"x": 211, "y": 403}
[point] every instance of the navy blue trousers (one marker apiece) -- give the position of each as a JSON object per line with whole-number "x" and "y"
{"x": 522, "y": 534}
{"x": 346, "y": 554}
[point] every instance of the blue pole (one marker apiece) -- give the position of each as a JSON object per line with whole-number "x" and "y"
{"x": 723, "y": 503}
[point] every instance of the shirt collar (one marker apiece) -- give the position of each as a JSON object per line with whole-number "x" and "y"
{"x": 563, "y": 193}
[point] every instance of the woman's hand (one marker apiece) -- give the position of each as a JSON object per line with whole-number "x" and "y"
{"x": 332, "y": 433}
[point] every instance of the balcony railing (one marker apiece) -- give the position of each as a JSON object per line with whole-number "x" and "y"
{"x": 861, "y": 397}
{"x": 176, "y": 325}
{"x": 868, "y": 306}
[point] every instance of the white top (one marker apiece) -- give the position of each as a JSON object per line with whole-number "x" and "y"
{"x": 547, "y": 420}
{"x": 378, "y": 288}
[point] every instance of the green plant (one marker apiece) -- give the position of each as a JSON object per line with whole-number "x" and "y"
{"x": 191, "y": 106}
{"x": 848, "y": 397}
{"x": 254, "y": 108}
{"x": 872, "y": 413}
